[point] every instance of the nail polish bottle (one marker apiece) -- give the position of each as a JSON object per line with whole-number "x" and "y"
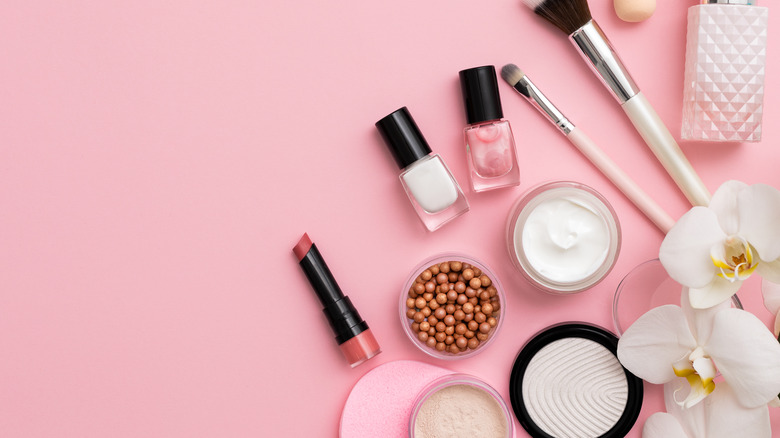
{"x": 490, "y": 145}
{"x": 431, "y": 188}
{"x": 725, "y": 57}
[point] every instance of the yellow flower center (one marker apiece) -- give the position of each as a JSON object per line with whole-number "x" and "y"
{"x": 734, "y": 259}
{"x": 700, "y": 371}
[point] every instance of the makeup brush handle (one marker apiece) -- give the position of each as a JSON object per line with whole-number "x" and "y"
{"x": 665, "y": 148}
{"x": 622, "y": 181}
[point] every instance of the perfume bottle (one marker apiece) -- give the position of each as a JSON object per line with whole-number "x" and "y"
{"x": 490, "y": 145}
{"x": 725, "y": 58}
{"x": 431, "y": 188}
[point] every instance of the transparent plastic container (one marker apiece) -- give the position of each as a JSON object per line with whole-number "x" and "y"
{"x": 459, "y": 379}
{"x": 647, "y": 286}
{"x": 498, "y": 314}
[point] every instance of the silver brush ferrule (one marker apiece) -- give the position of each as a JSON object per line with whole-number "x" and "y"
{"x": 527, "y": 88}
{"x": 727, "y": 2}
{"x": 597, "y": 50}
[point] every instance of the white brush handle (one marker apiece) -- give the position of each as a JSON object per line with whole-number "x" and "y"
{"x": 622, "y": 181}
{"x": 665, "y": 148}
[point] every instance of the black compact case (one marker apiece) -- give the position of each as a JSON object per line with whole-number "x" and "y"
{"x": 564, "y": 331}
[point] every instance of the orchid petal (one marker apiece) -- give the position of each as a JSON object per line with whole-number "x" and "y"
{"x": 724, "y": 204}
{"x": 775, "y": 403}
{"x": 747, "y": 355}
{"x": 705, "y": 369}
{"x": 685, "y": 251}
{"x": 700, "y": 320}
{"x": 699, "y": 391}
{"x": 654, "y": 342}
{"x": 717, "y": 292}
{"x": 777, "y": 327}
{"x": 771, "y": 293}
{"x": 769, "y": 270}
{"x": 726, "y": 418}
{"x": 692, "y": 420}
{"x": 662, "y": 425}
{"x": 683, "y": 367}
{"x": 759, "y": 216}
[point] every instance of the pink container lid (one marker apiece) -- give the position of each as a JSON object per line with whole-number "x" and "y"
{"x": 381, "y": 402}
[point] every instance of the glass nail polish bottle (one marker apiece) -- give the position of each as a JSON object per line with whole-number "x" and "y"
{"x": 490, "y": 145}
{"x": 433, "y": 191}
{"x": 723, "y": 93}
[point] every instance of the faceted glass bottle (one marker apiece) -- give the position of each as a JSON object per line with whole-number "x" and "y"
{"x": 725, "y": 58}
{"x": 490, "y": 145}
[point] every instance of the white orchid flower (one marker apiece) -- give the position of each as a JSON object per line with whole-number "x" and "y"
{"x": 772, "y": 301}
{"x": 670, "y": 341}
{"x": 719, "y": 416}
{"x": 712, "y": 250}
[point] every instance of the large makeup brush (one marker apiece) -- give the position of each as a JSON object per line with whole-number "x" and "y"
{"x": 523, "y": 85}
{"x": 573, "y": 18}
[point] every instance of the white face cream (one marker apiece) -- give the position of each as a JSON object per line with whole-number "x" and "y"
{"x": 563, "y": 236}
{"x": 565, "y": 240}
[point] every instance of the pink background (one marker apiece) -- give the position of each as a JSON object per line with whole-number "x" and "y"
{"x": 159, "y": 160}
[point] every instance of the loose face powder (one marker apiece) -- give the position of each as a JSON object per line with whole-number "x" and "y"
{"x": 568, "y": 383}
{"x": 460, "y": 409}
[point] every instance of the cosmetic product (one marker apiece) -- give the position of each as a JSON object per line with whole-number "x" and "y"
{"x": 567, "y": 382}
{"x": 490, "y": 145}
{"x": 634, "y": 11}
{"x": 394, "y": 398}
{"x": 452, "y": 306}
{"x": 574, "y": 19}
{"x": 355, "y": 339}
{"x": 460, "y": 406}
{"x": 646, "y": 287}
{"x": 723, "y": 92}
{"x": 431, "y": 188}
{"x": 563, "y": 236}
{"x": 523, "y": 85}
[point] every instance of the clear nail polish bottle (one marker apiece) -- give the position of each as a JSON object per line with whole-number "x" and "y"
{"x": 431, "y": 188}
{"x": 723, "y": 93}
{"x": 490, "y": 145}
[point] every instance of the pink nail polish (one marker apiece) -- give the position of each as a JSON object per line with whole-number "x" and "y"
{"x": 490, "y": 145}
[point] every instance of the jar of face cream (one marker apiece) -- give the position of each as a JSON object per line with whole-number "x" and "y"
{"x": 563, "y": 236}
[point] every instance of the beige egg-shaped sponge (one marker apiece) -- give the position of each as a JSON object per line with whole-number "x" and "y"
{"x": 634, "y": 10}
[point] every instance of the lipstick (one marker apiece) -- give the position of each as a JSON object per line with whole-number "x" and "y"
{"x": 355, "y": 339}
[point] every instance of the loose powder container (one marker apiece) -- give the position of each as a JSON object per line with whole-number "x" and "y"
{"x": 393, "y": 398}
{"x": 460, "y": 406}
{"x": 568, "y": 383}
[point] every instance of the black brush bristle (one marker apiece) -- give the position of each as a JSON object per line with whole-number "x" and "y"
{"x": 566, "y": 15}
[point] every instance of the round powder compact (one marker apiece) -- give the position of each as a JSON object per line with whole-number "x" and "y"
{"x": 460, "y": 406}
{"x": 568, "y": 383}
